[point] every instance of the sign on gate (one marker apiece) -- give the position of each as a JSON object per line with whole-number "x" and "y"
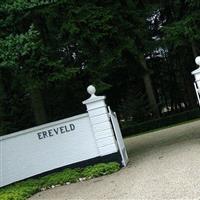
{"x": 69, "y": 141}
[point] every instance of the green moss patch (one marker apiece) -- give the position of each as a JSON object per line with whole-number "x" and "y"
{"x": 24, "y": 189}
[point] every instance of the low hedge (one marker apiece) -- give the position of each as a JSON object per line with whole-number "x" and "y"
{"x": 131, "y": 128}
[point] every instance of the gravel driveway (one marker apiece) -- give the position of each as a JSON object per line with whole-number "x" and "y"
{"x": 163, "y": 164}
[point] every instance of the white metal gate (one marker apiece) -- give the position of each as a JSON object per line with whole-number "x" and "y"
{"x": 197, "y": 92}
{"x": 119, "y": 138}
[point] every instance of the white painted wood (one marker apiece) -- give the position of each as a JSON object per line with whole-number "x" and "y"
{"x": 197, "y": 93}
{"x": 118, "y": 135}
{"x": 196, "y": 71}
{"x": 196, "y": 74}
{"x": 105, "y": 150}
{"x": 102, "y": 126}
{"x": 97, "y": 112}
{"x": 43, "y": 148}
{"x": 93, "y": 99}
{"x": 105, "y": 141}
{"x": 95, "y": 105}
{"x": 24, "y": 154}
{"x": 99, "y": 119}
{"x": 104, "y": 133}
{"x": 100, "y": 122}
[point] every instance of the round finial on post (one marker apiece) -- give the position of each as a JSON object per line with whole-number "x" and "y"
{"x": 91, "y": 90}
{"x": 197, "y": 60}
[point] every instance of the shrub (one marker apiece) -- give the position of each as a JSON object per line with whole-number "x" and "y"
{"x": 68, "y": 175}
{"x": 132, "y": 128}
{"x": 100, "y": 169}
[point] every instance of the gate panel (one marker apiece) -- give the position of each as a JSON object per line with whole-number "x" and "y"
{"x": 119, "y": 138}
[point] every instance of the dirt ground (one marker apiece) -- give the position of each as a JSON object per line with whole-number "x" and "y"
{"x": 163, "y": 164}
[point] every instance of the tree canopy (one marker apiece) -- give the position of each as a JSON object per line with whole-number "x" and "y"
{"x": 139, "y": 53}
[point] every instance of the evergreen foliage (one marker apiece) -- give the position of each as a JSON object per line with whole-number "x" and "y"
{"x": 140, "y": 54}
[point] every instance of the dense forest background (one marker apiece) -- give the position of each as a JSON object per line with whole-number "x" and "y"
{"x": 138, "y": 53}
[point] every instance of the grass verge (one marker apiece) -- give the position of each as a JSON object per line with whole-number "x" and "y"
{"x": 24, "y": 189}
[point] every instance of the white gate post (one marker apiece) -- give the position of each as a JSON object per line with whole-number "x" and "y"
{"x": 100, "y": 122}
{"x": 196, "y": 74}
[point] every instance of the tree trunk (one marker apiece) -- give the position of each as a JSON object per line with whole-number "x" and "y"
{"x": 150, "y": 94}
{"x": 194, "y": 49}
{"x": 190, "y": 91}
{"x": 38, "y": 107}
{"x": 149, "y": 88}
